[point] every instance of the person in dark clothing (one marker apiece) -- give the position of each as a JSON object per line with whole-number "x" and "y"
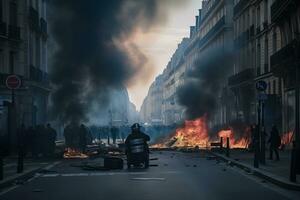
{"x": 275, "y": 142}
{"x": 51, "y": 134}
{"x": 114, "y": 134}
{"x": 137, "y": 146}
{"x": 82, "y": 138}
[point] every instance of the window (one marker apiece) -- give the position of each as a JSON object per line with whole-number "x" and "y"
{"x": 266, "y": 55}
{"x": 266, "y": 10}
{"x": 11, "y": 62}
{"x": 279, "y": 86}
{"x": 1, "y": 10}
{"x": 274, "y": 86}
{"x": 258, "y": 17}
{"x": 38, "y": 53}
{"x": 13, "y": 13}
{"x": 2, "y": 67}
{"x": 258, "y": 56}
{"x": 274, "y": 41}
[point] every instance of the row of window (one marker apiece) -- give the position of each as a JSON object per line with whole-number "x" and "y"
{"x": 13, "y": 12}
{"x": 9, "y": 68}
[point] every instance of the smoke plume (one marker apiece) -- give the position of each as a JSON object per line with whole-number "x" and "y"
{"x": 91, "y": 57}
{"x": 204, "y": 82}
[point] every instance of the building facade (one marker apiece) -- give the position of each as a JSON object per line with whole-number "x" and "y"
{"x": 23, "y": 51}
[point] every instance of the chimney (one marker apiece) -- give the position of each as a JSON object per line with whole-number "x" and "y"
{"x": 197, "y": 23}
{"x": 192, "y": 31}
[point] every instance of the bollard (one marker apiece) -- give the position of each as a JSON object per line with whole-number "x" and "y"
{"x": 20, "y": 167}
{"x": 256, "y": 154}
{"x": 227, "y": 147}
{"x": 1, "y": 167}
{"x": 221, "y": 144}
{"x": 293, "y": 173}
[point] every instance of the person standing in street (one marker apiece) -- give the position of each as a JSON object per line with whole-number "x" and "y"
{"x": 82, "y": 138}
{"x": 275, "y": 142}
{"x": 51, "y": 134}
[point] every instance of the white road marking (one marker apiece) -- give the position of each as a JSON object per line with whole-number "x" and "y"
{"x": 148, "y": 179}
{"x": 101, "y": 174}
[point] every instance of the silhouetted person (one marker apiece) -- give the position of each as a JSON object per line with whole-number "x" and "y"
{"x": 114, "y": 133}
{"x": 21, "y": 147}
{"x": 275, "y": 142}
{"x": 51, "y": 135}
{"x": 68, "y": 136}
{"x": 82, "y": 138}
{"x": 137, "y": 146}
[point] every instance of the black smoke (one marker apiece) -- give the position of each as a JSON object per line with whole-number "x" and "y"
{"x": 89, "y": 59}
{"x": 204, "y": 82}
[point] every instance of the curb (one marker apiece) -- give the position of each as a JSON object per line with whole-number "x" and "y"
{"x": 262, "y": 174}
{"x": 24, "y": 176}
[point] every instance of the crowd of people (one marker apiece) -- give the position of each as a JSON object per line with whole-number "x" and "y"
{"x": 77, "y": 137}
{"x": 39, "y": 141}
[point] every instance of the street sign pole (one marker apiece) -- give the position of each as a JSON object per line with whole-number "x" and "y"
{"x": 259, "y": 141}
{"x": 13, "y": 82}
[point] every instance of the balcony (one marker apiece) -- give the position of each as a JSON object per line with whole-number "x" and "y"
{"x": 44, "y": 28}
{"x": 244, "y": 76}
{"x": 240, "y": 6}
{"x": 286, "y": 56}
{"x": 38, "y": 75}
{"x": 14, "y": 32}
{"x": 34, "y": 21}
{"x": 281, "y": 7}
{"x": 3, "y": 29}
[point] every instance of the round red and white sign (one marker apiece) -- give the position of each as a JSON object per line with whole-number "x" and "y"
{"x": 13, "y": 82}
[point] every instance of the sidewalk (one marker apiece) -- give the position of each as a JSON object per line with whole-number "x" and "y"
{"x": 31, "y": 166}
{"x": 277, "y": 172}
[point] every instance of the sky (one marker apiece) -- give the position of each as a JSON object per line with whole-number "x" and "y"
{"x": 158, "y": 45}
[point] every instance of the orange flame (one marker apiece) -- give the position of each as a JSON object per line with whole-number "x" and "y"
{"x": 287, "y": 138}
{"x": 242, "y": 142}
{"x": 73, "y": 154}
{"x": 192, "y": 134}
{"x": 195, "y": 134}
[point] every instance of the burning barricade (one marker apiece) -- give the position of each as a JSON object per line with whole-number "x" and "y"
{"x": 195, "y": 134}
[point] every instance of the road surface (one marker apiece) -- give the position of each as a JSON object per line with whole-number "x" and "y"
{"x": 178, "y": 176}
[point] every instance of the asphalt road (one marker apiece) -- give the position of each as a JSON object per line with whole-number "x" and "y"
{"x": 178, "y": 176}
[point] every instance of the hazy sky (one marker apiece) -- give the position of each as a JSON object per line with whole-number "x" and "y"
{"x": 160, "y": 43}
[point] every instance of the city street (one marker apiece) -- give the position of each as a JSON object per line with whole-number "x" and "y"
{"x": 177, "y": 176}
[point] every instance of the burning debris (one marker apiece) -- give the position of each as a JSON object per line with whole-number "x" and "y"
{"x": 235, "y": 142}
{"x": 195, "y": 134}
{"x": 74, "y": 154}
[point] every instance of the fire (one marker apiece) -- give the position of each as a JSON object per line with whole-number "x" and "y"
{"x": 287, "y": 138}
{"x": 193, "y": 133}
{"x": 74, "y": 153}
{"x": 234, "y": 141}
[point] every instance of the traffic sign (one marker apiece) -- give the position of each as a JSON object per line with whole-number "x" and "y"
{"x": 13, "y": 82}
{"x": 261, "y": 85}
